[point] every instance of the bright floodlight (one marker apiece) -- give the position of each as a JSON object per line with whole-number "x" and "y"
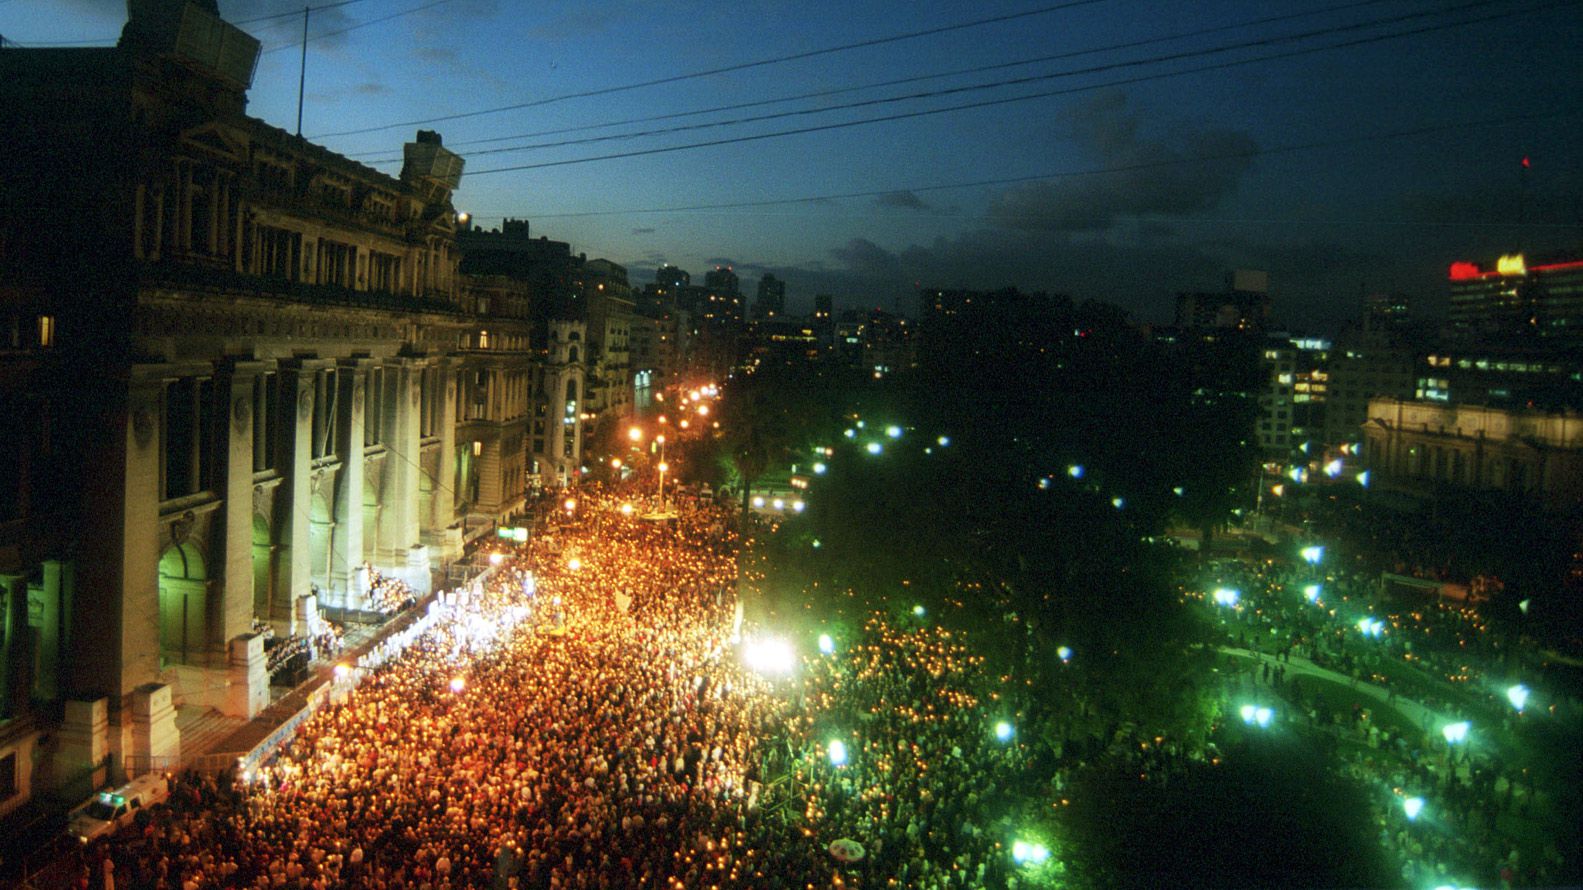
{"x": 1311, "y": 592}
{"x": 819, "y": 468}
{"x": 635, "y": 434}
{"x": 918, "y": 610}
{"x": 1312, "y": 554}
{"x": 1075, "y": 471}
{"x": 798, "y": 506}
{"x": 1246, "y": 711}
{"x": 1064, "y": 653}
{"x": 626, "y": 509}
{"x": 758, "y": 501}
{"x": 570, "y": 504}
{"x": 496, "y": 558}
{"x": 778, "y": 503}
{"x": 1225, "y": 596}
{"x": 1518, "y": 696}
{"x": 771, "y": 656}
{"x": 574, "y": 564}
{"x": 458, "y": 684}
{"x": 837, "y": 752}
{"x": 893, "y": 431}
{"x": 1117, "y": 502}
{"x": 1456, "y": 732}
{"x": 1363, "y": 478}
{"x": 1412, "y": 806}
{"x": 1024, "y": 853}
{"x": 1003, "y": 731}
{"x": 874, "y": 448}
{"x": 826, "y": 644}
{"x": 1263, "y": 716}
{"x": 943, "y": 441}
{"x": 1178, "y": 491}
{"x": 1371, "y": 627}
{"x": 849, "y": 433}
{"x": 1333, "y": 469}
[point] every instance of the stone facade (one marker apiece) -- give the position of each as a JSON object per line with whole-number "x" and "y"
{"x": 249, "y": 367}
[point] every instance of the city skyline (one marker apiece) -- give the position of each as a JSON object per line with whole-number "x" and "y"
{"x": 1366, "y": 166}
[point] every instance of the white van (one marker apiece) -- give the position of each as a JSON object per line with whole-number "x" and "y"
{"x": 108, "y": 811}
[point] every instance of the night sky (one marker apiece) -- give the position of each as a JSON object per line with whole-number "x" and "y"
{"x": 1130, "y": 174}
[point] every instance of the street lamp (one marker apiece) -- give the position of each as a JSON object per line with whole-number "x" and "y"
{"x": 1518, "y": 696}
{"x": 1003, "y": 731}
{"x": 826, "y": 644}
{"x": 1412, "y": 806}
{"x": 836, "y": 750}
{"x": 1456, "y": 733}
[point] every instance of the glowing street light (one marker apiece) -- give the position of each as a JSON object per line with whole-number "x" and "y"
{"x": 1118, "y": 502}
{"x": 798, "y": 506}
{"x": 943, "y": 441}
{"x": 1371, "y": 627}
{"x": 1003, "y": 731}
{"x": 1312, "y": 554}
{"x": 1412, "y": 806}
{"x": 1518, "y": 696}
{"x": 496, "y": 559}
{"x": 574, "y": 564}
{"x": 1025, "y": 853}
{"x": 919, "y": 611}
{"x": 1363, "y": 478}
{"x": 893, "y": 431}
{"x": 874, "y": 448}
{"x": 1064, "y": 653}
{"x": 1225, "y": 596}
{"x": 1256, "y": 715}
{"x": 836, "y": 751}
{"x": 458, "y": 684}
{"x": 570, "y": 504}
{"x": 1179, "y": 491}
{"x": 1075, "y": 471}
{"x": 1311, "y": 592}
{"x": 1333, "y": 469}
{"x": 1456, "y": 733}
{"x": 819, "y": 468}
{"x": 849, "y": 433}
{"x": 826, "y": 644}
{"x": 626, "y": 509}
{"x": 635, "y": 433}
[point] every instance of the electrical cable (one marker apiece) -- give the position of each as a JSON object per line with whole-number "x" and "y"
{"x": 742, "y": 66}
{"x": 932, "y": 94}
{"x": 987, "y": 103}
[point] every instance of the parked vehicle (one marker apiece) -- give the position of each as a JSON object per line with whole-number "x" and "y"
{"x": 108, "y": 811}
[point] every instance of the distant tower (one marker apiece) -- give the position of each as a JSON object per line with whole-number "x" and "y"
{"x": 771, "y": 301}
{"x": 557, "y": 422}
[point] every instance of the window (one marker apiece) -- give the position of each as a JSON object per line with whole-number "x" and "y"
{"x": 189, "y": 441}
{"x": 337, "y": 263}
{"x": 279, "y": 253}
{"x": 8, "y": 776}
{"x": 265, "y": 423}
{"x": 326, "y": 386}
{"x": 46, "y": 331}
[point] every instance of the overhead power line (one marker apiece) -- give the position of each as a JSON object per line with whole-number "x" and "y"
{"x": 111, "y": 41}
{"x": 297, "y": 44}
{"x": 987, "y": 103}
{"x": 1092, "y": 171}
{"x": 971, "y": 88}
{"x": 819, "y": 94}
{"x": 742, "y": 66}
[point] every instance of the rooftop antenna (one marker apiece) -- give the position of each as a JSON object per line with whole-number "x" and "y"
{"x": 302, "y": 70}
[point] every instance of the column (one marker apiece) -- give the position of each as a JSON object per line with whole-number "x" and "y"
{"x": 351, "y": 406}
{"x": 398, "y": 531}
{"x": 442, "y": 526}
{"x": 84, "y": 740}
{"x": 156, "y": 743}
{"x": 231, "y": 606}
{"x": 295, "y": 578}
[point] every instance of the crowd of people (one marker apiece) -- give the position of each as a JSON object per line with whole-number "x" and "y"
{"x": 612, "y": 738}
{"x": 1436, "y": 661}
{"x": 387, "y": 594}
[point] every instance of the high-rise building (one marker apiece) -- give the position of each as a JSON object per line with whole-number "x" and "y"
{"x": 1244, "y": 304}
{"x": 771, "y": 302}
{"x": 1513, "y": 298}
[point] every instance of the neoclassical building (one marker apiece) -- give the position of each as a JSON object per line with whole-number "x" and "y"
{"x": 1414, "y": 446}
{"x": 235, "y": 368}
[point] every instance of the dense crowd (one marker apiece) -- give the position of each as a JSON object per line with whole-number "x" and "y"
{"x": 1435, "y": 659}
{"x": 387, "y": 594}
{"x": 612, "y": 738}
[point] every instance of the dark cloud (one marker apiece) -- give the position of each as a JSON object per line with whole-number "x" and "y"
{"x": 720, "y": 261}
{"x": 1151, "y": 176}
{"x": 372, "y": 88}
{"x": 904, "y": 200}
{"x": 646, "y": 230}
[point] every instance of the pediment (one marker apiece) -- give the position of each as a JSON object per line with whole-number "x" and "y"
{"x": 216, "y": 139}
